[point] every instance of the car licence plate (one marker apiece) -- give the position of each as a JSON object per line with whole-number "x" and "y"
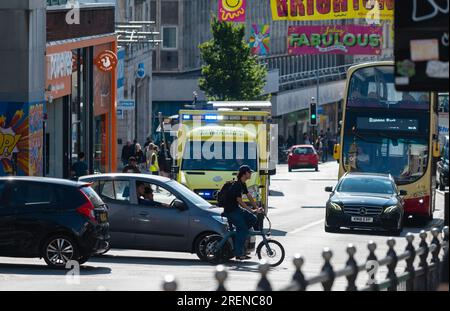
{"x": 362, "y": 219}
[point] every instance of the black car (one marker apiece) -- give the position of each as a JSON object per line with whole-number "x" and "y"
{"x": 54, "y": 219}
{"x": 365, "y": 201}
{"x": 442, "y": 166}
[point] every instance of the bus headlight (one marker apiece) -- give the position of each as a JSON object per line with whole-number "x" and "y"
{"x": 391, "y": 209}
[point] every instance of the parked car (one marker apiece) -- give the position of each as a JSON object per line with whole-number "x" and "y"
{"x": 442, "y": 166}
{"x": 54, "y": 219}
{"x": 174, "y": 220}
{"x": 362, "y": 200}
{"x": 303, "y": 156}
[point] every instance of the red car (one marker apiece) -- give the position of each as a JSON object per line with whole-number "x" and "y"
{"x": 303, "y": 156}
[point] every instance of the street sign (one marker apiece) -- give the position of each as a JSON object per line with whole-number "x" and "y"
{"x": 119, "y": 113}
{"x": 140, "y": 73}
{"x": 126, "y": 104}
{"x": 421, "y": 45}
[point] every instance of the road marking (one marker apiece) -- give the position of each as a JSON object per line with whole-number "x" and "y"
{"x": 307, "y": 226}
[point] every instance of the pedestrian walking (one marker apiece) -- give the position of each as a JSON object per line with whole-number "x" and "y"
{"x": 162, "y": 161}
{"x": 152, "y": 159}
{"x": 140, "y": 157}
{"x": 131, "y": 167}
{"x": 127, "y": 152}
{"x": 79, "y": 168}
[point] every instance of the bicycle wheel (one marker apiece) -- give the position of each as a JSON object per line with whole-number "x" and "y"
{"x": 274, "y": 254}
{"x": 215, "y": 255}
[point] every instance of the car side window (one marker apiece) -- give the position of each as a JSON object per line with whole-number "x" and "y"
{"x": 30, "y": 193}
{"x": 114, "y": 190}
{"x": 151, "y": 195}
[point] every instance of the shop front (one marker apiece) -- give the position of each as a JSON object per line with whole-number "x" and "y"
{"x": 80, "y": 105}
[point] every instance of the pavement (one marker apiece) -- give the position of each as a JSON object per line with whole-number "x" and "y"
{"x": 297, "y": 211}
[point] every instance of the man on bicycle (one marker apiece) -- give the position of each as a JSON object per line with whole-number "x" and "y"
{"x": 240, "y": 214}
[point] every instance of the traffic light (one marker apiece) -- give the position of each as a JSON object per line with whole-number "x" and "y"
{"x": 313, "y": 112}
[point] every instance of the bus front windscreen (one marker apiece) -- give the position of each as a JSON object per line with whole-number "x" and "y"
{"x": 219, "y": 156}
{"x": 385, "y": 131}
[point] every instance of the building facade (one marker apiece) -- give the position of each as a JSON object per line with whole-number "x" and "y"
{"x": 292, "y": 80}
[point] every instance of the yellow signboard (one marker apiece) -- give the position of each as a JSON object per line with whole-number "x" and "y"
{"x": 313, "y": 10}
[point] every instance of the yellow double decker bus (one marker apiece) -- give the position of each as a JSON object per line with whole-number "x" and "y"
{"x": 390, "y": 132}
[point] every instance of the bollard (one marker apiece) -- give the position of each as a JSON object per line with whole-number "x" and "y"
{"x": 410, "y": 262}
{"x": 327, "y": 254}
{"x": 423, "y": 258}
{"x": 298, "y": 277}
{"x": 372, "y": 266}
{"x": 169, "y": 284}
{"x": 392, "y": 276}
{"x": 221, "y": 276}
{"x": 264, "y": 284}
{"x": 351, "y": 263}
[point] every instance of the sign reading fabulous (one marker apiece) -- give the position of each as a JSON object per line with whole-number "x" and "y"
{"x": 309, "y": 10}
{"x": 348, "y": 39}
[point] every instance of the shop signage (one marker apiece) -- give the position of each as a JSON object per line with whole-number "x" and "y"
{"x": 59, "y": 74}
{"x": 106, "y": 61}
{"x": 421, "y": 45}
{"x": 313, "y": 10}
{"x": 348, "y": 40}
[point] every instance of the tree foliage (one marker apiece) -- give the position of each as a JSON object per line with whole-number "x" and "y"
{"x": 230, "y": 71}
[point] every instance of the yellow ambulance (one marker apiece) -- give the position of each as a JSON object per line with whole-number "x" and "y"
{"x": 213, "y": 144}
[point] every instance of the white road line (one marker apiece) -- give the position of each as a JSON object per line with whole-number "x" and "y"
{"x": 307, "y": 226}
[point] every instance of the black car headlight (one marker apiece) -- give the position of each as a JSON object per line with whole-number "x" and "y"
{"x": 335, "y": 206}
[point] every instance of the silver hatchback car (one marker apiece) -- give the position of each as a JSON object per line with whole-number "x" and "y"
{"x": 148, "y": 212}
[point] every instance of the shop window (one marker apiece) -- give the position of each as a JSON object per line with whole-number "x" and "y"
{"x": 169, "y": 34}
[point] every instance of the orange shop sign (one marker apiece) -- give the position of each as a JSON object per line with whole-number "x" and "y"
{"x": 106, "y": 61}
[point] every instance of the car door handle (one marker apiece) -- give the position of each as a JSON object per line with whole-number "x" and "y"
{"x": 143, "y": 214}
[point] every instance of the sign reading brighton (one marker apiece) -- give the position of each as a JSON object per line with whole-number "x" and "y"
{"x": 310, "y": 10}
{"x": 106, "y": 61}
{"x": 348, "y": 39}
{"x": 232, "y": 10}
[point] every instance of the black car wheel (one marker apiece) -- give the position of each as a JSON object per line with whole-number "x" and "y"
{"x": 290, "y": 169}
{"x": 201, "y": 244}
{"x": 316, "y": 168}
{"x": 58, "y": 250}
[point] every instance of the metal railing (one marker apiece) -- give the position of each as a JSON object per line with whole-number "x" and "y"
{"x": 424, "y": 276}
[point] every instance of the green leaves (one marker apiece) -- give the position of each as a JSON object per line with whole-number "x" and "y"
{"x": 230, "y": 71}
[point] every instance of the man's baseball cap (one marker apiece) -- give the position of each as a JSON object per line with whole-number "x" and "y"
{"x": 245, "y": 169}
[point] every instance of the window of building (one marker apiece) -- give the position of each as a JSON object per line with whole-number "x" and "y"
{"x": 169, "y": 12}
{"x": 169, "y": 34}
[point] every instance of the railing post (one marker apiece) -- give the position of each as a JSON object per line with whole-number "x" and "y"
{"x": 169, "y": 284}
{"x": 435, "y": 241}
{"x": 221, "y": 275}
{"x": 392, "y": 276}
{"x": 351, "y": 263}
{"x": 410, "y": 262}
{"x": 263, "y": 284}
{"x": 298, "y": 277}
{"x": 327, "y": 254}
{"x": 445, "y": 240}
{"x": 435, "y": 262}
{"x": 372, "y": 266}
{"x": 423, "y": 258}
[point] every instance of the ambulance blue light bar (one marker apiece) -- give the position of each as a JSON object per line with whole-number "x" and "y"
{"x": 187, "y": 117}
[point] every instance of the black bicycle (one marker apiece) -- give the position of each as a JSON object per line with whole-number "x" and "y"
{"x": 219, "y": 249}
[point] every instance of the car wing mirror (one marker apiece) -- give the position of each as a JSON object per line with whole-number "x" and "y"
{"x": 403, "y": 192}
{"x": 328, "y": 189}
{"x": 180, "y": 205}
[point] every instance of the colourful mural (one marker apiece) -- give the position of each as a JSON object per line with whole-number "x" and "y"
{"x": 260, "y": 39}
{"x": 232, "y": 10}
{"x": 20, "y": 145}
